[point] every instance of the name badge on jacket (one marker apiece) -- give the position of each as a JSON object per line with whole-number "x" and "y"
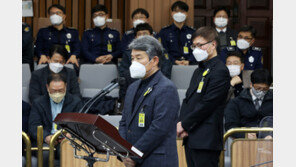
{"x": 141, "y": 123}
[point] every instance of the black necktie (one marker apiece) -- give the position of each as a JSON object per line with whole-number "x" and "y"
{"x": 257, "y": 105}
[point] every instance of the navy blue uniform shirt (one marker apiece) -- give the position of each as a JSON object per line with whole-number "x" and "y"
{"x": 253, "y": 57}
{"x": 98, "y": 42}
{"x": 49, "y": 36}
{"x": 174, "y": 40}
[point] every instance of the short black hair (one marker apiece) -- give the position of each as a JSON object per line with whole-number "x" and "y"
{"x": 218, "y": 9}
{"x": 141, "y": 11}
{"x": 181, "y": 5}
{"x": 236, "y": 54}
{"x": 247, "y": 28}
{"x": 208, "y": 33}
{"x": 143, "y": 26}
{"x": 56, "y": 77}
{"x": 60, "y": 49}
{"x": 99, "y": 8}
{"x": 261, "y": 76}
{"x": 57, "y": 6}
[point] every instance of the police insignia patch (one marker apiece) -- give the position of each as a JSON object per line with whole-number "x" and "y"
{"x": 27, "y": 29}
{"x": 110, "y": 36}
{"x": 68, "y": 35}
{"x": 251, "y": 59}
{"x": 188, "y": 36}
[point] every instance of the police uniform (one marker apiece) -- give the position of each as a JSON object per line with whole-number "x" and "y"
{"x": 98, "y": 42}
{"x": 253, "y": 57}
{"x": 227, "y": 37}
{"x": 27, "y": 45}
{"x": 128, "y": 37}
{"x": 49, "y": 36}
{"x": 177, "y": 42}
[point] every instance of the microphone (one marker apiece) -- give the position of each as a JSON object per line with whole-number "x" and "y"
{"x": 114, "y": 83}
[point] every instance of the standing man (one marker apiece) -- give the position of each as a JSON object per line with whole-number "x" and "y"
{"x": 151, "y": 108}
{"x": 100, "y": 44}
{"x": 58, "y": 33}
{"x": 176, "y": 38}
{"x": 227, "y": 36}
{"x": 201, "y": 117}
{"x": 245, "y": 40}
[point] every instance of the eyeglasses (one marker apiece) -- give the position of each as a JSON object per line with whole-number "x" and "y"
{"x": 57, "y": 13}
{"x": 98, "y": 14}
{"x": 199, "y": 45}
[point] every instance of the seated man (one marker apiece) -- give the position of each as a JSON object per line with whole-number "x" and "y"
{"x": 27, "y": 46}
{"x": 251, "y": 105}
{"x": 58, "y": 33}
{"x": 123, "y": 68}
{"x": 100, "y": 44}
{"x": 151, "y": 108}
{"x": 245, "y": 40}
{"x": 47, "y": 107}
{"x": 139, "y": 16}
{"x": 227, "y": 36}
{"x": 176, "y": 38}
{"x": 235, "y": 65}
{"x": 57, "y": 57}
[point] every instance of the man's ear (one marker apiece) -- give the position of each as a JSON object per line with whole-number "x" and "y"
{"x": 252, "y": 41}
{"x": 242, "y": 66}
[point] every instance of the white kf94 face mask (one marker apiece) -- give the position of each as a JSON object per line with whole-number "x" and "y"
{"x": 99, "y": 21}
{"x": 243, "y": 44}
{"x": 137, "y": 22}
{"x": 179, "y": 17}
{"x": 221, "y": 22}
{"x": 56, "y": 67}
{"x": 234, "y": 70}
{"x": 200, "y": 55}
{"x": 56, "y": 19}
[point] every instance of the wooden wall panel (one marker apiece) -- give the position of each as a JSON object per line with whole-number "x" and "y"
{"x": 78, "y": 12}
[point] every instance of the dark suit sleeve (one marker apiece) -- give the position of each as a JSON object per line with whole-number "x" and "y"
{"x": 40, "y": 44}
{"x": 117, "y": 48}
{"x": 124, "y": 43}
{"x": 76, "y": 44}
{"x": 216, "y": 92}
{"x": 35, "y": 119}
{"x": 122, "y": 125}
{"x": 259, "y": 62}
{"x": 34, "y": 87}
{"x": 232, "y": 117}
{"x": 74, "y": 87}
{"x": 165, "y": 114}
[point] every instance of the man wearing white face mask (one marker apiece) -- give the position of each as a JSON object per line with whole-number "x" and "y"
{"x": 58, "y": 33}
{"x": 252, "y": 104}
{"x": 201, "y": 116}
{"x": 101, "y": 44}
{"x": 176, "y": 38}
{"x": 150, "y": 109}
{"x": 235, "y": 65}
{"x": 227, "y": 36}
{"x": 138, "y": 16}
{"x": 45, "y": 108}
{"x": 57, "y": 56}
{"x": 245, "y": 40}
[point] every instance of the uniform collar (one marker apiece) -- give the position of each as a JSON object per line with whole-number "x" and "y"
{"x": 208, "y": 63}
{"x": 63, "y": 29}
{"x": 223, "y": 30}
{"x": 177, "y": 28}
{"x": 99, "y": 29}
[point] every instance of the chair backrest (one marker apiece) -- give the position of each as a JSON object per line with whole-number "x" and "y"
{"x": 96, "y": 75}
{"x": 181, "y": 75}
{"x": 25, "y": 94}
{"x": 182, "y": 95}
{"x": 44, "y": 65}
{"x": 26, "y": 75}
{"x": 92, "y": 92}
{"x": 112, "y": 119}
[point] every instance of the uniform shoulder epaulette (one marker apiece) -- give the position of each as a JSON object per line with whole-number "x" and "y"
{"x": 88, "y": 29}
{"x": 129, "y": 32}
{"x": 256, "y": 48}
{"x": 230, "y": 48}
{"x": 167, "y": 26}
{"x": 192, "y": 28}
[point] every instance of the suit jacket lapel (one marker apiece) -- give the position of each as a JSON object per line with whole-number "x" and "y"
{"x": 47, "y": 108}
{"x": 142, "y": 97}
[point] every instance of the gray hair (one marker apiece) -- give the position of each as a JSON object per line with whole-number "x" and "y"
{"x": 148, "y": 44}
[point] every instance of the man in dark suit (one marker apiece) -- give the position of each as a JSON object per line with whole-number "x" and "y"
{"x": 151, "y": 108}
{"x": 47, "y": 107}
{"x": 57, "y": 58}
{"x": 201, "y": 116}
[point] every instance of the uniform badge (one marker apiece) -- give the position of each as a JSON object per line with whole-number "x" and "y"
{"x": 188, "y": 36}
{"x": 110, "y": 36}
{"x": 69, "y": 36}
{"x": 251, "y": 59}
{"x": 27, "y": 29}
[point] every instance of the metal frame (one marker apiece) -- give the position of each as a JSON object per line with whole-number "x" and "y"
{"x": 28, "y": 149}
{"x": 238, "y": 130}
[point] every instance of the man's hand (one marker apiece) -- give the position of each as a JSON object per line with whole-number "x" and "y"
{"x": 73, "y": 60}
{"x": 184, "y": 134}
{"x": 180, "y": 130}
{"x": 235, "y": 80}
{"x": 185, "y": 62}
{"x": 43, "y": 60}
{"x": 101, "y": 59}
{"x": 268, "y": 137}
{"x": 108, "y": 58}
{"x": 128, "y": 162}
{"x": 179, "y": 62}
{"x": 47, "y": 139}
{"x": 252, "y": 136}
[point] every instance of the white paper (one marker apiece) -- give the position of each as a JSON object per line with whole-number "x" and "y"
{"x": 27, "y": 9}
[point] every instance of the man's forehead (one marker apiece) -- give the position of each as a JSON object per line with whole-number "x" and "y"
{"x": 245, "y": 33}
{"x": 55, "y": 9}
{"x": 199, "y": 40}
